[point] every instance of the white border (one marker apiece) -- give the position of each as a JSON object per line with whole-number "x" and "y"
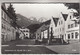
{"x": 36, "y": 1}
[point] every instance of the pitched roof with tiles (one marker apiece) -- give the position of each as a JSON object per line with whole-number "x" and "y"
{"x": 55, "y": 20}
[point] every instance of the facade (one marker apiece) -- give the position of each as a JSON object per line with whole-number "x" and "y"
{"x": 66, "y": 28}
{"x": 59, "y": 26}
{"x": 60, "y": 29}
{"x": 8, "y": 31}
{"x": 26, "y": 32}
{"x": 53, "y": 25}
{"x": 72, "y": 28}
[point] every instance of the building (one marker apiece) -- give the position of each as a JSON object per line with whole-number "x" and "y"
{"x": 8, "y": 32}
{"x": 58, "y": 25}
{"x": 53, "y": 25}
{"x": 65, "y": 27}
{"x": 60, "y": 30}
{"x": 72, "y": 28}
{"x": 42, "y": 33}
{"x": 26, "y": 32}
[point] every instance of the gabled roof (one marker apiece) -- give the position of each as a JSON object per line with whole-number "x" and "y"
{"x": 55, "y": 20}
{"x": 47, "y": 22}
{"x": 65, "y": 16}
{"x": 44, "y": 25}
{"x": 34, "y": 27}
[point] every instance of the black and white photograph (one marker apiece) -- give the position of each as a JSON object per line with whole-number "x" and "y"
{"x": 40, "y": 28}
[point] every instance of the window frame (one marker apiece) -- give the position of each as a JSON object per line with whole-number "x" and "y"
{"x": 72, "y": 35}
{"x": 68, "y": 36}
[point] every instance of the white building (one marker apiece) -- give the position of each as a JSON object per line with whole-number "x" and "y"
{"x": 66, "y": 28}
{"x": 26, "y": 32}
{"x": 72, "y": 28}
{"x": 59, "y": 26}
{"x": 53, "y": 25}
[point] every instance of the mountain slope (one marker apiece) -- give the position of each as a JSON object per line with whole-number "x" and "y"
{"x": 25, "y": 22}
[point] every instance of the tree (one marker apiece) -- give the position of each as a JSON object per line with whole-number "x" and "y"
{"x": 11, "y": 11}
{"x": 76, "y": 7}
{"x": 73, "y": 5}
{"x": 12, "y": 14}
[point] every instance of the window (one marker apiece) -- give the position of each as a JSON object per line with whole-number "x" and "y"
{"x": 76, "y": 34}
{"x": 23, "y": 30}
{"x": 8, "y": 29}
{"x": 76, "y": 25}
{"x": 65, "y": 35}
{"x": 68, "y": 36}
{"x": 68, "y": 26}
{"x": 71, "y": 25}
{"x": 72, "y": 35}
{"x": 3, "y": 14}
{"x": 60, "y": 29}
{"x": 59, "y": 23}
{"x": 26, "y": 30}
{"x": 70, "y": 17}
{"x": 63, "y": 29}
{"x": 2, "y": 26}
{"x": 55, "y": 30}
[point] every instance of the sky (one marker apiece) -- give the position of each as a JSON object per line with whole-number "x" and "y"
{"x": 40, "y": 10}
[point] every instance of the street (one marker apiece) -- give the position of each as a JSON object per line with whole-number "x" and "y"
{"x": 26, "y": 46}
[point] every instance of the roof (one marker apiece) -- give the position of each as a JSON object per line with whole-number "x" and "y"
{"x": 34, "y": 27}
{"x": 55, "y": 20}
{"x": 65, "y": 16}
{"x": 47, "y": 22}
{"x": 45, "y": 25}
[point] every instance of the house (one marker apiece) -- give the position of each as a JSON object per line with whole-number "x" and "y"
{"x": 8, "y": 32}
{"x": 26, "y": 32}
{"x": 59, "y": 31}
{"x": 42, "y": 33}
{"x": 72, "y": 28}
{"x": 53, "y": 25}
{"x": 33, "y": 28}
{"x": 65, "y": 27}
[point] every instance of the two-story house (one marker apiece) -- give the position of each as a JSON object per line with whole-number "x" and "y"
{"x": 53, "y": 24}
{"x": 72, "y": 28}
{"x": 60, "y": 29}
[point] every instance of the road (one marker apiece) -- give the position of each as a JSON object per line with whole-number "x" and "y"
{"x": 26, "y": 46}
